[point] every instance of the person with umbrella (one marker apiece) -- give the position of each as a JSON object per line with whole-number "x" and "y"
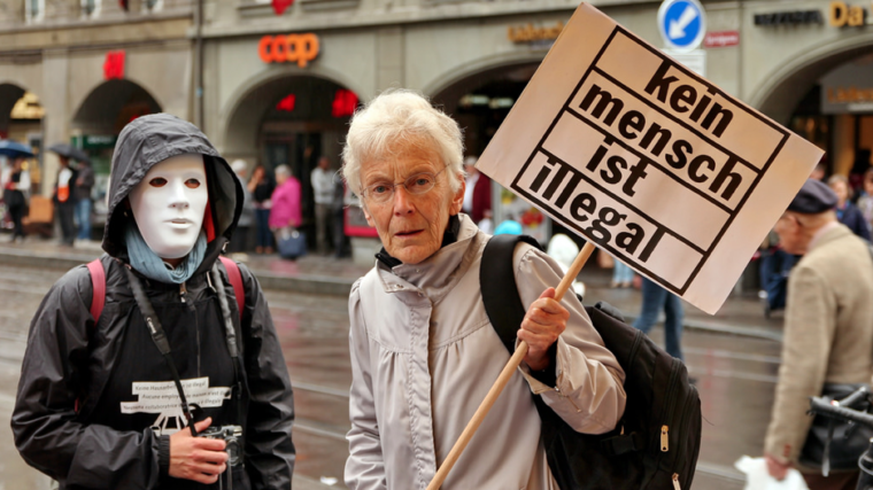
{"x": 18, "y": 184}
{"x": 63, "y": 197}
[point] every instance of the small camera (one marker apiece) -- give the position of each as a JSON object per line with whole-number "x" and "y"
{"x": 232, "y": 435}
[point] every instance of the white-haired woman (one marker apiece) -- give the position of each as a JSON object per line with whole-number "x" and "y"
{"x": 423, "y": 352}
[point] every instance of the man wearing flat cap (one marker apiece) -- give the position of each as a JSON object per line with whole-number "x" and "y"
{"x": 828, "y": 337}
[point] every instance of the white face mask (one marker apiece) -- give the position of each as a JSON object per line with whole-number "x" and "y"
{"x": 169, "y": 203}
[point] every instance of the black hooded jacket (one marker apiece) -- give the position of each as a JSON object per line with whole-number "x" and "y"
{"x": 94, "y": 399}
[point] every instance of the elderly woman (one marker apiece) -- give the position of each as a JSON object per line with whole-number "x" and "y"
{"x": 423, "y": 352}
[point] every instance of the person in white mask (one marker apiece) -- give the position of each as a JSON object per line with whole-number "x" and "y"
{"x": 117, "y": 396}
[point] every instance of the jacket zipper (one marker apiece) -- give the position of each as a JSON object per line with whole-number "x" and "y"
{"x": 565, "y": 397}
{"x": 183, "y": 290}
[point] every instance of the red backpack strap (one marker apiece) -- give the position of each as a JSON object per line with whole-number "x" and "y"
{"x": 235, "y": 278}
{"x": 98, "y": 287}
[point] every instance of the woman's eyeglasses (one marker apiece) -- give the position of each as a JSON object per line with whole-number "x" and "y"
{"x": 417, "y": 184}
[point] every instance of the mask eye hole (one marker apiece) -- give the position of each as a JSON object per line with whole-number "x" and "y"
{"x": 192, "y": 183}
{"x": 158, "y": 182}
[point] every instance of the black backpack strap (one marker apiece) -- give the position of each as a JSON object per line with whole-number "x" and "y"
{"x": 499, "y": 290}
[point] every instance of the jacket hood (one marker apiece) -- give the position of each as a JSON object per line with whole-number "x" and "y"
{"x": 151, "y": 139}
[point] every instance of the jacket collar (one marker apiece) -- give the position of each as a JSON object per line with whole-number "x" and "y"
{"x": 435, "y": 275}
{"x": 449, "y": 236}
{"x": 829, "y": 235}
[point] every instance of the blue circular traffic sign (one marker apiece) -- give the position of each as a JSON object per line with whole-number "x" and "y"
{"x": 682, "y": 23}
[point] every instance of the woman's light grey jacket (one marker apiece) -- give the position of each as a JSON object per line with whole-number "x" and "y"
{"x": 424, "y": 355}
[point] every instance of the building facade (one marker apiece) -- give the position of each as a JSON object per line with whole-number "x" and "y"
{"x": 91, "y": 66}
{"x": 272, "y": 87}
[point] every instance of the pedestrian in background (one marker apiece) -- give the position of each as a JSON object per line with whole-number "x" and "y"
{"x": 828, "y": 333}
{"x": 84, "y": 184}
{"x": 818, "y": 172}
{"x": 15, "y": 195}
{"x": 622, "y": 275}
{"x": 865, "y": 202}
{"x": 338, "y": 208}
{"x": 261, "y": 186}
{"x": 477, "y": 194}
{"x": 322, "y": 179}
{"x": 847, "y": 213}
{"x": 286, "y": 209}
{"x": 65, "y": 201}
{"x": 774, "y": 269}
{"x": 240, "y": 241}
{"x": 656, "y": 298}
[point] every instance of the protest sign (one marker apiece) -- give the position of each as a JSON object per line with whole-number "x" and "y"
{"x": 670, "y": 174}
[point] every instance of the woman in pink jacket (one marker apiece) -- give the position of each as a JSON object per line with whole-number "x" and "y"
{"x": 286, "y": 200}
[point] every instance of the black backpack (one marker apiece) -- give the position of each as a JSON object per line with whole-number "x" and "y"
{"x": 655, "y": 444}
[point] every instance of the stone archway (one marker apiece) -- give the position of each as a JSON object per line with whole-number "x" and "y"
{"x": 258, "y": 109}
{"x": 789, "y": 83}
{"x": 480, "y": 101}
{"x": 9, "y": 95}
{"x": 111, "y": 105}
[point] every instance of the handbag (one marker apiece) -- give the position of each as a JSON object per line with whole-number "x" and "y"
{"x": 835, "y": 444}
{"x": 291, "y": 242}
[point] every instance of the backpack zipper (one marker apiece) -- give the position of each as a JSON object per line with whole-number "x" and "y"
{"x": 671, "y": 399}
{"x": 684, "y": 425}
{"x": 665, "y": 438}
{"x": 676, "y": 485}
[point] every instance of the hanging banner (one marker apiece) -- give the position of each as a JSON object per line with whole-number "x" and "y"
{"x": 670, "y": 174}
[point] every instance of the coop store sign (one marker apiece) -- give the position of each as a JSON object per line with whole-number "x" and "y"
{"x": 289, "y": 48}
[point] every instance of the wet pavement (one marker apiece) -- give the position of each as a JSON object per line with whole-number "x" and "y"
{"x": 734, "y": 355}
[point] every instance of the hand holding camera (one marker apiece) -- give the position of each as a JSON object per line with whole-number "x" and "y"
{"x": 201, "y": 459}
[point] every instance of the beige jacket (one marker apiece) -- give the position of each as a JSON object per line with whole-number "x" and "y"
{"x": 828, "y": 333}
{"x": 423, "y": 357}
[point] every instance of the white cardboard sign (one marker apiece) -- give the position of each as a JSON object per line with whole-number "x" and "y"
{"x": 653, "y": 163}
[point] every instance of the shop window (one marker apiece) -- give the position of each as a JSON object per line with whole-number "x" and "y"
{"x": 91, "y": 8}
{"x": 34, "y": 10}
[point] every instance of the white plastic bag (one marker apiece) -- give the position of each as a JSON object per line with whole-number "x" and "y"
{"x": 757, "y": 477}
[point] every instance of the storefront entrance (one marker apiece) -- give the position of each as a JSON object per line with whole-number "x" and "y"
{"x": 292, "y": 120}
{"x": 96, "y": 125}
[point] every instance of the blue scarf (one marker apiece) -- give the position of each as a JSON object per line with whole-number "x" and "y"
{"x": 147, "y": 262}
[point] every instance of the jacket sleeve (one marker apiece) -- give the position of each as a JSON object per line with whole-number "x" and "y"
{"x": 589, "y": 382}
{"x": 365, "y": 467}
{"x": 810, "y": 325}
{"x": 269, "y": 450}
{"x": 48, "y": 432}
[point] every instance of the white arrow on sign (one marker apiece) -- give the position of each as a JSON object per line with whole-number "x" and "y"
{"x": 677, "y": 27}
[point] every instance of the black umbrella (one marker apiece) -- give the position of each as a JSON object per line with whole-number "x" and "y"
{"x": 66, "y": 150}
{"x": 14, "y": 149}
